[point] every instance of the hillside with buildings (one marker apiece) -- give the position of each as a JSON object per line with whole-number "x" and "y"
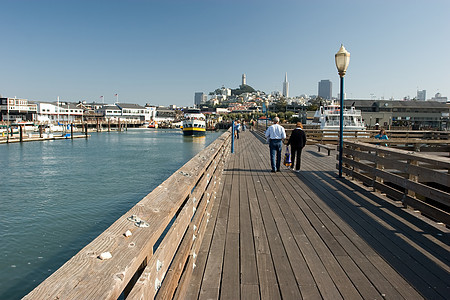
{"x": 244, "y": 102}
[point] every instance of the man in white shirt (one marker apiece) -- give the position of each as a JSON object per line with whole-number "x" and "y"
{"x": 275, "y": 135}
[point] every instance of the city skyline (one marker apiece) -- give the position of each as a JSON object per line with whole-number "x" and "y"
{"x": 163, "y": 52}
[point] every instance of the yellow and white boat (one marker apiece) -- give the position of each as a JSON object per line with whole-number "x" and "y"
{"x": 194, "y": 122}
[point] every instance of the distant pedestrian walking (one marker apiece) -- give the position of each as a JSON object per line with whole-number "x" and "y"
{"x": 297, "y": 140}
{"x": 275, "y": 135}
{"x": 237, "y": 128}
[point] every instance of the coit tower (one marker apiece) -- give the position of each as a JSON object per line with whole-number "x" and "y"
{"x": 244, "y": 81}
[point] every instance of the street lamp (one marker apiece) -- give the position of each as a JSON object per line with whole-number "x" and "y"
{"x": 342, "y": 58}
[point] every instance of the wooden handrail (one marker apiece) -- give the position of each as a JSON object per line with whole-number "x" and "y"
{"x": 418, "y": 180}
{"x": 86, "y": 276}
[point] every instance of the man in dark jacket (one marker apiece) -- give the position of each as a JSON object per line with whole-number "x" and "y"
{"x": 297, "y": 140}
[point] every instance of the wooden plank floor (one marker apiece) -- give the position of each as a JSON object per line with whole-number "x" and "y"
{"x": 310, "y": 235}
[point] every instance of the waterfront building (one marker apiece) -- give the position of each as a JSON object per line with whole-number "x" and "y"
{"x": 151, "y": 112}
{"x": 285, "y": 87}
{"x": 134, "y": 112}
{"x": 422, "y": 95}
{"x": 16, "y": 110}
{"x": 164, "y": 114}
{"x": 406, "y": 114}
{"x": 53, "y": 112}
{"x": 109, "y": 111}
{"x": 325, "y": 89}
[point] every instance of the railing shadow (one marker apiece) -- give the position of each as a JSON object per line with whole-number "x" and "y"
{"x": 260, "y": 136}
{"x": 313, "y": 153}
{"x": 410, "y": 251}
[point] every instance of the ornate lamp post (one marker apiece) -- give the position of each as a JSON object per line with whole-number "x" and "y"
{"x": 342, "y": 58}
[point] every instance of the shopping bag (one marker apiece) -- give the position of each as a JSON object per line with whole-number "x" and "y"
{"x": 287, "y": 158}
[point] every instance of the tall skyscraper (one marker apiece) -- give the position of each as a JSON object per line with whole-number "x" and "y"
{"x": 325, "y": 89}
{"x": 244, "y": 80}
{"x": 422, "y": 95}
{"x": 200, "y": 98}
{"x": 285, "y": 87}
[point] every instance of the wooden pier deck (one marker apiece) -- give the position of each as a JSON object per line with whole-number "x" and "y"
{"x": 310, "y": 235}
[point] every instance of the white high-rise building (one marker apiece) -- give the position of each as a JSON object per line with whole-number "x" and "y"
{"x": 244, "y": 80}
{"x": 285, "y": 87}
{"x": 422, "y": 95}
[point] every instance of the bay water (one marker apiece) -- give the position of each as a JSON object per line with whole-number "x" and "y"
{"x": 57, "y": 196}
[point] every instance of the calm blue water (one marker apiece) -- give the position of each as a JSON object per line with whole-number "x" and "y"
{"x": 57, "y": 196}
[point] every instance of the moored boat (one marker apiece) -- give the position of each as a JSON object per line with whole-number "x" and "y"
{"x": 153, "y": 124}
{"x": 328, "y": 118}
{"x": 49, "y": 128}
{"x": 27, "y": 126}
{"x": 194, "y": 122}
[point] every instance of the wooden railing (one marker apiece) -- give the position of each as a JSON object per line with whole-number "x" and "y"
{"x": 414, "y": 144}
{"x": 418, "y": 140}
{"x": 332, "y": 136}
{"x": 418, "y": 180}
{"x": 150, "y": 261}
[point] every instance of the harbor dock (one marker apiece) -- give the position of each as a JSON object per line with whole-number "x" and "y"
{"x": 36, "y": 138}
{"x": 224, "y": 227}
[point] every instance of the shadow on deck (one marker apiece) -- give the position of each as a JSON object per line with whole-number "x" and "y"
{"x": 311, "y": 235}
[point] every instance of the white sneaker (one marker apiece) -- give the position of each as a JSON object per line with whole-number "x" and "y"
{"x": 297, "y": 171}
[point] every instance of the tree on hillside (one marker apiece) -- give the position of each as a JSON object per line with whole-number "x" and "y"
{"x": 243, "y": 88}
{"x": 281, "y": 105}
{"x": 316, "y": 103}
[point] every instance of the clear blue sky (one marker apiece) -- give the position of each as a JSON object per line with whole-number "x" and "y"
{"x": 162, "y": 52}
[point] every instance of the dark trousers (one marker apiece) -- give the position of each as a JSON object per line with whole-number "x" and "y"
{"x": 296, "y": 155}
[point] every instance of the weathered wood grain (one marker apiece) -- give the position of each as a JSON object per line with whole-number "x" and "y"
{"x": 86, "y": 276}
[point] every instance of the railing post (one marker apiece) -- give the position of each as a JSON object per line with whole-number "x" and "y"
{"x": 232, "y": 136}
{"x": 413, "y": 178}
{"x": 379, "y": 167}
{"x": 356, "y": 159}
